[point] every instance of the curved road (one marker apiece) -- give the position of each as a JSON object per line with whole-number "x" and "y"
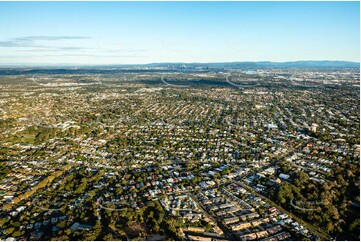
{"x": 238, "y": 85}
{"x": 173, "y": 85}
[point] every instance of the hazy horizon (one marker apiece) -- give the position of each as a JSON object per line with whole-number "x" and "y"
{"x": 160, "y": 63}
{"x": 111, "y": 33}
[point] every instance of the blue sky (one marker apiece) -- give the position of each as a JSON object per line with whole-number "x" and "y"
{"x": 146, "y": 32}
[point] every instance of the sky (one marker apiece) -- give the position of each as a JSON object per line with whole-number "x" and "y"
{"x": 152, "y": 32}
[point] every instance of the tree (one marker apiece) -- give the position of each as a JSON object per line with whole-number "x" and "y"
{"x": 301, "y": 178}
{"x": 355, "y": 224}
{"x": 119, "y": 190}
{"x": 94, "y": 233}
{"x": 330, "y": 227}
{"x": 155, "y": 225}
{"x": 150, "y": 215}
{"x": 284, "y": 193}
{"x": 17, "y": 233}
{"x": 108, "y": 237}
{"x": 9, "y": 231}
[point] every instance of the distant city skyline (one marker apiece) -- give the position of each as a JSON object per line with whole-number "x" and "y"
{"x": 97, "y": 33}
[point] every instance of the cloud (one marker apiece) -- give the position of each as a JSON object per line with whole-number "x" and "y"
{"x": 62, "y": 47}
{"x": 52, "y": 37}
{"x": 32, "y": 41}
{"x": 71, "y": 55}
{"x": 97, "y": 55}
{"x": 54, "y": 49}
{"x": 47, "y": 43}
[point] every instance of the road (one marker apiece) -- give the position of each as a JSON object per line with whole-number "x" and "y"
{"x": 172, "y": 85}
{"x": 237, "y": 85}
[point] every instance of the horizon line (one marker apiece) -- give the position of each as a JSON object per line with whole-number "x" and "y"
{"x": 165, "y": 62}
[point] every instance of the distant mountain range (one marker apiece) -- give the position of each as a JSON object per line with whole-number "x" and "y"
{"x": 269, "y": 64}
{"x": 157, "y": 67}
